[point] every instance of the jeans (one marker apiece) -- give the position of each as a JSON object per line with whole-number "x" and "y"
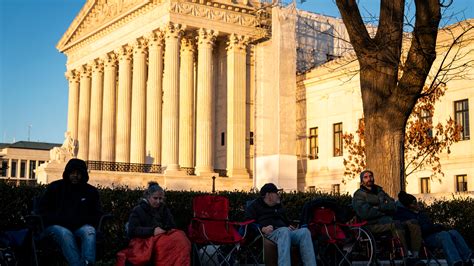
{"x": 66, "y": 240}
{"x": 453, "y": 244}
{"x": 284, "y": 238}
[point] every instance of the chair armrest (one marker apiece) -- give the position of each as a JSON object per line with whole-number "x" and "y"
{"x": 243, "y": 223}
{"x": 103, "y": 219}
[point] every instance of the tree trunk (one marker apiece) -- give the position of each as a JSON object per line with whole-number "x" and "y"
{"x": 384, "y": 152}
{"x": 385, "y": 117}
{"x": 388, "y": 98}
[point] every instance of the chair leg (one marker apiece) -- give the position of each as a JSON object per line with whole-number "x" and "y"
{"x": 34, "y": 257}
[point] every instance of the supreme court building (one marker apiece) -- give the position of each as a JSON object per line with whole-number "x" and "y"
{"x": 184, "y": 91}
{"x": 204, "y": 94}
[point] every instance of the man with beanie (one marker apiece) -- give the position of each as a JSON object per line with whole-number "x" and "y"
{"x": 454, "y": 246}
{"x": 373, "y": 205}
{"x": 268, "y": 213}
{"x": 71, "y": 209}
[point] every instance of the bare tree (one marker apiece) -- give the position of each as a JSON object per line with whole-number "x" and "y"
{"x": 388, "y": 95}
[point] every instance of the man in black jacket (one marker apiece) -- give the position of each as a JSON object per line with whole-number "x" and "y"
{"x": 71, "y": 209}
{"x": 268, "y": 212}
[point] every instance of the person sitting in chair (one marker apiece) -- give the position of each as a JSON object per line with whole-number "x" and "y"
{"x": 71, "y": 209}
{"x": 455, "y": 248}
{"x": 371, "y": 203}
{"x": 268, "y": 212}
{"x": 151, "y": 228}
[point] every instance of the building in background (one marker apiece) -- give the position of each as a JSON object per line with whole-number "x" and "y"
{"x": 330, "y": 105}
{"x": 19, "y": 160}
{"x": 210, "y": 93}
{"x": 187, "y": 92}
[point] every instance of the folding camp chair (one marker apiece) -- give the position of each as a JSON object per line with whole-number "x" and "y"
{"x": 214, "y": 237}
{"x": 45, "y": 247}
{"x": 339, "y": 242}
{"x": 257, "y": 249}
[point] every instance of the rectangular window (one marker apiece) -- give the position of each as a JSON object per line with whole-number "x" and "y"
{"x": 461, "y": 116}
{"x": 32, "y": 169}
{"x": 336, "y": 189}
{"x": 337, "y": 144}
{"x": 22, "y": 168}
{"x": 313, "y": 143}
{"x": 251, "y": 138}
{"x": 222, "y": 139}
{"x": 427, "y": 117}
{"x": 425, "y": 185}
{"x": 13, "y": 170}
{"x": 3, "y": 171}
{"x": 461, "y": 183}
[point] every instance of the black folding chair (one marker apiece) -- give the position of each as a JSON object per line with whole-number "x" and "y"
{"x": 44, "y": 247}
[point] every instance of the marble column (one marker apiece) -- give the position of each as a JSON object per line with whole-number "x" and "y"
{"x": 109, "y": 108}
{"x": 73, "y": 102}
{"x": 154, "y": 99}
{"x": 236, "y": 105}
{"x": 170, "y": 144}
{"x": 186, "y": 103}
{"x": 138, "y": 129}
{"x": 205, "y": 102}
{"x": 95, "y": 130}
{"x": 124, "y": 96}
{"x": 84, "y": 113}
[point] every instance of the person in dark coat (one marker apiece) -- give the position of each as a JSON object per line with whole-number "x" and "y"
{"x": 454, "y": 246}
{"x": 372, "y": 204}
{"x": 153, "y": 233}
{"x": 71, "y": 209}
{"x": 268, "y": 212}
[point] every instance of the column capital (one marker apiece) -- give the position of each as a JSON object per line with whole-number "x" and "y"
{"x": 98, "y": 66}
{"x": 173, "y": 30}
{"x": 207, "y": 36}
{"x": 124, "y": 52}
{"x": 72, "y": 76}
{"x": 237, "y": 42}
{"x": 139, "y": 46}
{"x": 86, "y": 71}
{"x": 155, "y": 38}
{"x": 110, "y": 60}
{"x": 188, "y": 43}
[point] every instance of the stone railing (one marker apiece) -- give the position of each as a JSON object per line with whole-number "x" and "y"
{"x": 20, "y": 181}
{"x": 124, "y": 167}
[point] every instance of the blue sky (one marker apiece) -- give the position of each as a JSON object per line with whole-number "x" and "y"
{"x": 33, "y": 89}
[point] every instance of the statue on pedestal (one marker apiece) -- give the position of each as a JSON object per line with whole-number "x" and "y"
{"x": 67, "y": 151}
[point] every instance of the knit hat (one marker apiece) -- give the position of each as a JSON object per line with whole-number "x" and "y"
{"x": 79, "y": 165}
{"x": 363, "y": 173}
{"x": 268, "y": 188}
{"x": 406, "y": 199}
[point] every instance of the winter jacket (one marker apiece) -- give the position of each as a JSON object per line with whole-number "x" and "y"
{"x": 71, "y": 205}
{"x": 426, "y": 225}
{"x": 144, "y": 219}
{"x": 374, "y": 206}
{"x": 265, "y": 215}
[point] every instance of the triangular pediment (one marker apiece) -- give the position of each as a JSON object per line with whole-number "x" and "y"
{"x": 94, "y": 15}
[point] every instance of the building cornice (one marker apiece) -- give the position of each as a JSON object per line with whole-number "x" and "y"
{"x": 98, "y": 18}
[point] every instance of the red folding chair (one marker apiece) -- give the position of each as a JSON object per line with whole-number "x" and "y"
{"x": 215, "y": 238}
{"x": 340, "y": 243}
